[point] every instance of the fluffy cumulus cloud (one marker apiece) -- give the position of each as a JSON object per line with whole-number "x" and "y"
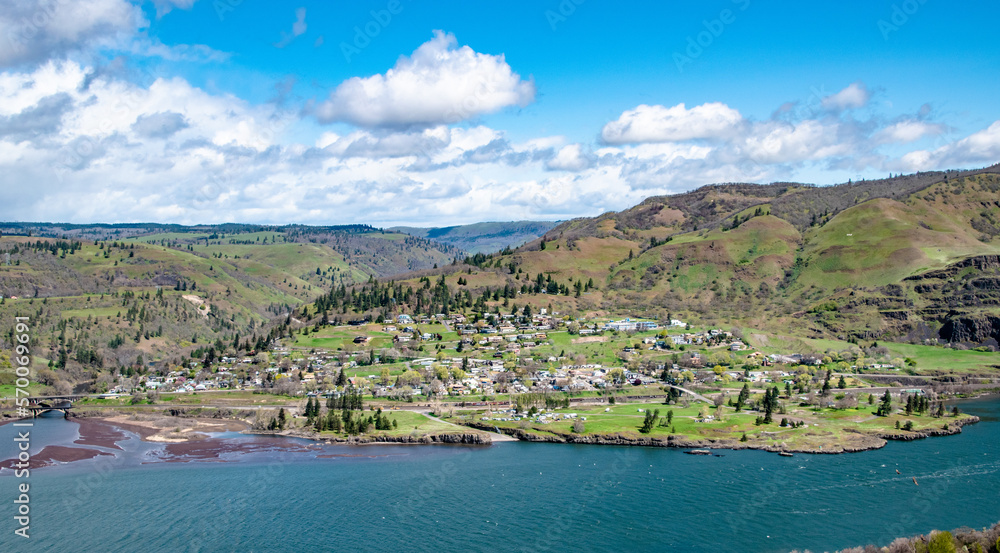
{"x": 439, "y": 83}
{"x": 778, "y": 142}
{"x": 977, "y": 149}
{"x": 908, "y": 130}
{"x": 36, "y": 30}
{"x": 96, "y": 146}
{"x": 662, "y": 124}
{"x": 855, "y": 95}
{"x": 570, "y": 158}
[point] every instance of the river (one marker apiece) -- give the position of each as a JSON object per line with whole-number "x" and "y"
{"x": 505, "y": 497}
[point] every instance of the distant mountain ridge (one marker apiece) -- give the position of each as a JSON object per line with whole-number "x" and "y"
{"x": 483, "y": 237}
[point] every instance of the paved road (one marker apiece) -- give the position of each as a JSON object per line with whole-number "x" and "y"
{"x": 696, "y": 395}
{"x": 495, "y": 436}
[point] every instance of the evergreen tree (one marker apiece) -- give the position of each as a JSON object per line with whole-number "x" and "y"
{"x": 743, "y": 397}
{"x": 885, "y": 408}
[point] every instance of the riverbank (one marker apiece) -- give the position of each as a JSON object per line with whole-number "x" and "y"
{"x": 850, "y": 441}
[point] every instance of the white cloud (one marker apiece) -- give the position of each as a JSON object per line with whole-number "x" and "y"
{"x": 777, "y": 142}
{"x": 855, "y": 95}
{"x": 570, "y": 158}
{"x": 978, "y": 149}
{"x": 661, "y": 124}
{"x": 983, "y": 146}
{"x": 906, "y": 131}
{"x": 36, "y": 30}
{"x": 163, "y": 7}
{"x": 439, "y": 83}
{"x": 99, "y": 148}
{"x": 298, "y": 29}
{"x": 198, "y": 53}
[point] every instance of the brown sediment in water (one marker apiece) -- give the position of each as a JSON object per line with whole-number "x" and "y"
{"x": 53, "y": 454}
{"x": 99, "y": 433}
{"x": 212, "y": 449}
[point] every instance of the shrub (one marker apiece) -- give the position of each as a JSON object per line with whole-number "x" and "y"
{"x": 942, "y": 542}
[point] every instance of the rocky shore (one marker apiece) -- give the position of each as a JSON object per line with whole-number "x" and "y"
{"x": 461, "y": 438}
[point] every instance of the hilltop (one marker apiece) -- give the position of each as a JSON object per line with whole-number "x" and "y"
{"x": 483, "y": 237}
{"x": 911, "y": 257}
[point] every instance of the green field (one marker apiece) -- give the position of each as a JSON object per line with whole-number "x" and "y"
{"x": 827, "y": 429}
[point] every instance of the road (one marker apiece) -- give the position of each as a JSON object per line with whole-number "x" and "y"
{"x": 696, "y": 395}
{"x": 495, "y": 436}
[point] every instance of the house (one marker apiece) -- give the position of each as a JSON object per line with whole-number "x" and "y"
{"x": 361, "y": 339}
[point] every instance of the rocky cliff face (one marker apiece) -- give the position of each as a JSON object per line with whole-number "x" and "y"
{"x": 954, "y": 304}
{"x": 974, "y": 330}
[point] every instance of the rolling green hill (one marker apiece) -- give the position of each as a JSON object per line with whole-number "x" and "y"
{"x": 842, "y": 262}
{"x": 117, "y": 297}
{"x": 913, "y": 258}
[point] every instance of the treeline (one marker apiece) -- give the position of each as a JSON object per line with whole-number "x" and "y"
{"x": 340, "y": 415}
{"x": 439, "y": 297}
{"x": 55, "y": 247}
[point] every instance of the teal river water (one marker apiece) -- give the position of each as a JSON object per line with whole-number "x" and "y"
{"x": 506, "y": 497}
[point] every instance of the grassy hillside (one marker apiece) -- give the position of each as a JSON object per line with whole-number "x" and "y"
{"x": 841, "y": 262}
{"x": 483, "y": 237}
{"x": 117, "y": 305}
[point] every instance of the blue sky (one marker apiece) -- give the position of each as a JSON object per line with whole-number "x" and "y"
{"x": 443, "y": 113}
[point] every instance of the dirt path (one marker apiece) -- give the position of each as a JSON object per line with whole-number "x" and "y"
{"x": 495, "y": 436}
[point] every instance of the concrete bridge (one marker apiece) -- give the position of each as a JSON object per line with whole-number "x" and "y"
{"x": 46, "y": 404}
